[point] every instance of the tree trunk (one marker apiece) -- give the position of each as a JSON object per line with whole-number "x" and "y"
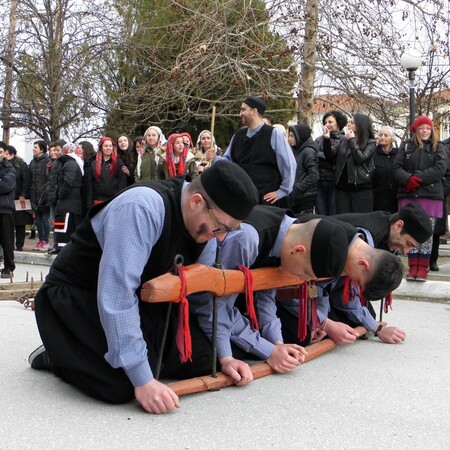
{"x": 6, "y": 107}
{"x": 308, "y": 66}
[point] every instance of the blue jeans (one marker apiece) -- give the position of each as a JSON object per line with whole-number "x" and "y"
{"x": 43, "y": 224}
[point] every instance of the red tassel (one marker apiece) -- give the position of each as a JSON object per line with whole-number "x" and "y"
{"x": 303, "y": 312}
{"x": 183, "y": 337}
{"x": 362, "y": 298}
{"x": 346, "y": 291}
{"x": 251, "y": 313}
{"x": 388, "y": 302}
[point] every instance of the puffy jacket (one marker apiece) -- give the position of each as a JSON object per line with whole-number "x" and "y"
{"x": 430, "y": 166}
{"x": 38, "y": 166}
{"x": 7, "y": 187}
{"x": 69, "y": 180}
{"x": 23, "y": 177}
{"x": 359, "y": 161}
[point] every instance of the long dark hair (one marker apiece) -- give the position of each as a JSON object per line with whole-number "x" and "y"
{"x": 364, "y": 129}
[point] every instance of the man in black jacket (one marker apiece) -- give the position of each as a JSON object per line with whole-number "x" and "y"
{"x": 7, "y": 192}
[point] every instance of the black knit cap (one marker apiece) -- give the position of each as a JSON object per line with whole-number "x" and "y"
{"x": 230, "y": 188}
{"x": 329, "y": 247}
{"x": 255, "y": 102}
{"x": 416, "y": 222}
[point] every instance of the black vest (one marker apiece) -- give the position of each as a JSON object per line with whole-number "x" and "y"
{"x": 377, "y": 223}
{"x": 256, "y": 156}
{"x": 78, "y": 263}
{"x": 266, "y": 220}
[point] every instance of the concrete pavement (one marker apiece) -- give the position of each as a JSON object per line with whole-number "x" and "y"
{"x": 368, "y": 394}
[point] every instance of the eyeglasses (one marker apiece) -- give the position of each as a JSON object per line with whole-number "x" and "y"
{"x": 219, "y": 228}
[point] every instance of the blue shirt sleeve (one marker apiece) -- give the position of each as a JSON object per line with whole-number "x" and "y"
{"x": 138, "y": 214}
{"x": 286, "y": 162}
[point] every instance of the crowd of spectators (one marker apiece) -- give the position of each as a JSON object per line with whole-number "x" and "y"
{"x": 349, "y": 168}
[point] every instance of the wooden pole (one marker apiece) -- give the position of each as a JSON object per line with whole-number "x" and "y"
{"x": 208, "y": 383}
{"x": 213, "y": 120}
{"x": 201, "y": 278}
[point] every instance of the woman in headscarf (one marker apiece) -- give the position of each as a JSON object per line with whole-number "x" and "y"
{"x": 177, "y": 160}
{"x": 419, "y": 168}
{"x": 206, "y": 150}
{"x": 128, "y": 156}
{"x": 149, "y": 157}
{"x": 107, "y": 177}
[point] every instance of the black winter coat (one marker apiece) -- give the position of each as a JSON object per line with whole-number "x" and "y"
{"x": 7, "y": 187}
{"x": 430, "y": 166}
{"x": 306, "y": 176}
{"x": 384, "y": 185}
{"x": 68, "y": 185}
{"x": 107, "y": 185}
{"x": 38, "y": 172}
{"x": 23, "y": 186}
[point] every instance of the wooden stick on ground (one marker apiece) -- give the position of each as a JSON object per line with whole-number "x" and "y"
{"x": 208, "y": 383}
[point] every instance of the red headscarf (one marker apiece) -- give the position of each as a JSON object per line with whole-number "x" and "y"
{"x": 170, "y": 157}
{"x": 99, "y": 158}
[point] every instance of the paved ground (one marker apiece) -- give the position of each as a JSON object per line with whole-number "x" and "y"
{"x": 369, "y": 394}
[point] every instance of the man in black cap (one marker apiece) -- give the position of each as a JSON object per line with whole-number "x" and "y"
{"x": 268, "y": 237}
{"x": 399, "y": 232}
{"x": 96, "y": 332}
{"x": 263, "y": 152}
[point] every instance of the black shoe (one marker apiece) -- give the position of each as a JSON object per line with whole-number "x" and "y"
{"x": 6, "y": 273}
{"x": 434, "y": 267}
{"x": 39, "y": 359}
{"x": 19, "y": 249}
{"x": 54, "y": 250}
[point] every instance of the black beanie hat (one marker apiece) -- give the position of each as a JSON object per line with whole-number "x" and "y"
{"x": 230, "y": 188}
{"x": 255, "y": 102}
{"x": 416, "y": 222}
{"x": 329, "y": 248}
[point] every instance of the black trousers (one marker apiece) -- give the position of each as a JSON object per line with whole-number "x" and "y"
{"x": 73, "y": 336}
{"x": 7, "y": 240}
{"x": 354, "y": 201}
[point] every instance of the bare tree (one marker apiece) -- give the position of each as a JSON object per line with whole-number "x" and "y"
{"x": 56, "y": 45}
{"x": 359, "y": 44}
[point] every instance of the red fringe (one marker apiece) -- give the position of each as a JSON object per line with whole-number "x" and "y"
{"x": 249, "y": 301}
{"x": 183, "y": 337}
{"x": 388, "y": 302}
{"x": 303, "y": 312}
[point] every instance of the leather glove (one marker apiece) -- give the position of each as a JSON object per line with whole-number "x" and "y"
{"x": 413, "y": 183}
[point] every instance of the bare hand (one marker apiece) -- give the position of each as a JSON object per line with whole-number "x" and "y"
{"x": 391, "y": 335}
{"x": 156, "y": 397}
{"x": 210, "y": 154}
{"x": 286, "y": 357}
{"x": 271, "y": 197}
{"x": 326, "y": 133}
{"x": 341, "y": 333}
{"x": 349, "y": 134}
{"x": 238, "y": 370}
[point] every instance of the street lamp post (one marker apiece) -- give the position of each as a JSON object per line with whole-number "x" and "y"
{"x": 411, "y": 60}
